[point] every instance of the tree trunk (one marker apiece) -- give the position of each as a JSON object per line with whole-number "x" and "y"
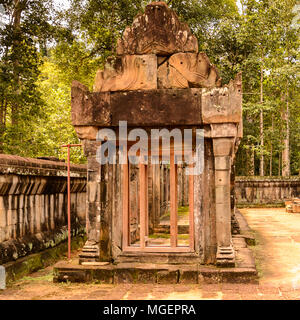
{"x": 261, "y": 123}
{"x": 19, "y": 6}
{"x": 271, "y": 149}
{"x": 3, "y": 110}
{"x": 286, "y": 141}
{"x": 252, "y": 164}
{"x": 279, "y": 164}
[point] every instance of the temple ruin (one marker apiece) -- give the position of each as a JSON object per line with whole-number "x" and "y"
{"x": 158, "y": 79}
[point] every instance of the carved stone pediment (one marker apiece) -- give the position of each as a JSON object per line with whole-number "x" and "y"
{"x": 184, "y": 70}
{"x": 129, "y": 72}
{"x": 157, "y": 31}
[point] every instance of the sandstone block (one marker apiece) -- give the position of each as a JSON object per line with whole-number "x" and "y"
{"x": 2, "y": 234}
{"x": 169, "y": 276}
{"x": 86, "y": 132}
{"x": 169, "y": 77}
{"x": 222, "y": 147}
{"x": 2, "y": 218}
{"x": 222, "y": 163}
{"x": 222, "y": 194}
{"x": 185, "y": 70}
{"x": 129, "y": 72}
{"x": 83, "y": 104}
{"x": 221, "y": 130}
{"x": 223, "y": 105}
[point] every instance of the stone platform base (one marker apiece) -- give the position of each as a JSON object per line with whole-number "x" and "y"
{"x": 132, "y": 272}
{"x": 151, "y": 273}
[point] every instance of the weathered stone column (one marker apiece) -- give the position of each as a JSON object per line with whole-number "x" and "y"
{"x": 90, "y": 250}
{"x": 98, "y": 214}
{"x": 156, "y": 194}
{"x": 223, "y": 148}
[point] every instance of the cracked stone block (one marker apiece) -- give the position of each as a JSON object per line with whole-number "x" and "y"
{"x": 167, "y": 276}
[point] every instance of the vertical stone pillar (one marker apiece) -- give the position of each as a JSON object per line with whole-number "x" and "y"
{"x": 90, "y": 250}
{"x": 98, "y": 214}
{"x": 151, "y": 203}
{"x": 133, "y": 203}
{"x": 104, "y": 223}
{"x": 155, "y": 193}
{"x": 223, "y": 148}
{"x": 162, "y": 190}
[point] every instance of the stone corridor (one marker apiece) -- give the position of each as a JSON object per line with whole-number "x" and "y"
{"x": 277, "y": 255}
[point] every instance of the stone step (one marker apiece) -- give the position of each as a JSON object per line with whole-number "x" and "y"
{"x": 85, "y": 259}
{"x": 89, "y": 250}
{"x": 94, "y": 263}
{"x": 89, "y": 247}
{"x": 164, "y": 228}
{"x": 88, "y": 254}
{"x": 171, "y": 258}
{"x": 151, "y": 273}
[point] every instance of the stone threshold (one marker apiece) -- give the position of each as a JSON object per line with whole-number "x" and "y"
{"x": 151, "y": 273}
{"x": 166, "y": 267}
{"x": 133, "y": 272}
{"x": 158, "y": 258}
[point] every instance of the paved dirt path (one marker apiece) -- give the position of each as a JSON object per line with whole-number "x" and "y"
{"x": 277, "y": 255}
{"x": 278, "y": 250}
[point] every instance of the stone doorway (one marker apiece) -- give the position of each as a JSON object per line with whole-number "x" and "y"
{"x": 157, "y": 226}
{"x": 159, "y": 80}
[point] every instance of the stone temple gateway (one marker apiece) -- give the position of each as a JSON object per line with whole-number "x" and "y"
{"x": 160, "y": 80}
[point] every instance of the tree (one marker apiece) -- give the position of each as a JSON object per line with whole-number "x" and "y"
{"x": 25, "y": 29}
{"x": 44, "y": 49}
{"x": 261, "y": 38}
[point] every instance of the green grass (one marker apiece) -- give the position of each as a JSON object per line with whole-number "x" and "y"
{"x": 159, "y": 235}
{"x": 182, "y": 211}
{"x": 46, "y": 277}
{"x": 167, "y": 236}
{"x": 260, "y": 205}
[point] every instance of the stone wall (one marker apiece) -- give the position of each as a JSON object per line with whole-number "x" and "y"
{"x": 33, "y": 204}
{"x": 265, "y": 190}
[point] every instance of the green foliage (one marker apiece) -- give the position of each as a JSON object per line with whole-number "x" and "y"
{"x": 34, "y": 97}
{"x": 54, "y": 128}
{"x": 47, "y": 48}
{"x": 265, "y": 38}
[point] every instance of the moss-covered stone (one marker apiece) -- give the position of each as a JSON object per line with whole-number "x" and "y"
{"x": 26, "y": 265}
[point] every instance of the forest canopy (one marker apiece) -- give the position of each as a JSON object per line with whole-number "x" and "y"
{"x": 45, "y": 44}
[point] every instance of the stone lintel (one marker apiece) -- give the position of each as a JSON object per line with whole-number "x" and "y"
{"x": 162, "y": 107}
{"x": 90, "y": 132}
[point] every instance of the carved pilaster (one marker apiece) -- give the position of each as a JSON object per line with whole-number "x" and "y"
{"x": 223, "y": 148}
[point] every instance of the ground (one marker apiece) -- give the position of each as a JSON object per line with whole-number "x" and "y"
{"x": 277, "y": 256}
